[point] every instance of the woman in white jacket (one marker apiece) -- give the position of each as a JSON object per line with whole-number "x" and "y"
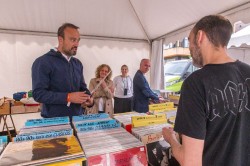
{"x": 123, "y": 95}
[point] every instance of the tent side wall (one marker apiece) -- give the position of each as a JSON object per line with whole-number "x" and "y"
{"x": 18, "y": 52}
{"x": 240, "y": 54}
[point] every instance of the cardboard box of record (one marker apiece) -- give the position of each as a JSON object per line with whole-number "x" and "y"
{"x": 18, "y": 108}
{"x": 32, "y": 108}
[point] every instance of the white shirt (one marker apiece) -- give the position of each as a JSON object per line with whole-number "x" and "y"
{"x": 65, "y": 56}
{"x": 121, "y": 83}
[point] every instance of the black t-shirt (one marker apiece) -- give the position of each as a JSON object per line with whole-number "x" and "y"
{"x": 215, "y": 106}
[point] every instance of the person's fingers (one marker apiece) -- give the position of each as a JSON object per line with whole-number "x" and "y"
{"x": 79, "y": 97}
{"x": 171, "y": 129}
{"x": 164, "y": 129}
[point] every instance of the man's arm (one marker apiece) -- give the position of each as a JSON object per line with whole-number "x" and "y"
{"x": 189, "y": 153}
{"x": 144, "y": 87}
{"x": 41, "y": 70}
{"x": 41, "y": 82}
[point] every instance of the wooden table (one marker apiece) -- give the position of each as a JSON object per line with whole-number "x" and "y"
{"x": 9, "y": 129}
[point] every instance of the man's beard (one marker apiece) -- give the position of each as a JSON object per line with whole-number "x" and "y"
{"x": 70, "y": 52}
{"x": 197, "y": 56}
{"x": 145, "y": 71}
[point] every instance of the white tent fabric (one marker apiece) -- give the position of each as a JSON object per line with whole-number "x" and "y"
{"x": 157, "y": 70}
{"x": 18, "y": 52}
{"x": 240, "y": 54}
{"x": 115, "y": 32}
{"x": 109, "y": 18}
{"x": 239, "y": 45}
{"x": 240, "y": 37}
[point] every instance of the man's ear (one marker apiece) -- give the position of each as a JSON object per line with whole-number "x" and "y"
{"x": 60, "y": 39}
{"x": 199, "y": 37}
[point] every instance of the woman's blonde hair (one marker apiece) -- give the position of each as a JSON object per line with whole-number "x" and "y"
{"x": 99, "y": 68}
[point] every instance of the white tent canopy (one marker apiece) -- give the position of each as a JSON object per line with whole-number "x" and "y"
{"x": 129, "y": 19}
{"x": 239, "y": 45}
{"x": 239, "y": 38}
{"x": 115, "y": 32}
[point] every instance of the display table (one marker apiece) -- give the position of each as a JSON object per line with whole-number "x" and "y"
{"x": 9, "y": 129}
{"x": 166, "y": 93}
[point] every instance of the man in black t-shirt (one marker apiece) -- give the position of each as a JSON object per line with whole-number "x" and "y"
{"x": 213, "y": 116}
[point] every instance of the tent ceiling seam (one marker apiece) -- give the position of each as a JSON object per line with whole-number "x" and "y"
{"x": 138, "y": 19}
{"x": 53, "y": 34}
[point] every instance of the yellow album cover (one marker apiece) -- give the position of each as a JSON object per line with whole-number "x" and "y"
{"x": 41, "y": 151}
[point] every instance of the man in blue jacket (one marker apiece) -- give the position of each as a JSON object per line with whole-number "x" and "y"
{"x": 57, "y": 77}
{"x": 142, "y": 91}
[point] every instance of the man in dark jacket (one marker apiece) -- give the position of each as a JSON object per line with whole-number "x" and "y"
{"x": 57, "y": 77}
{"x": 142, "y": 91}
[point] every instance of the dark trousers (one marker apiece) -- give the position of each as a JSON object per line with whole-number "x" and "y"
{"x": 123, "y": 105}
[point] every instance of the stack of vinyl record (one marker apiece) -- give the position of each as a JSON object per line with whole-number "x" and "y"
{"x": 106, "y": 143}
{"x": 171, "y": 115}
{"x": 44, "y": 128}
{"x": 53, "y": 151}
{"x": 125, "y": 119}
{"x": 113, "y": 147}
{"x": 3, "y": 142}
{"x": 162, "y": 108}
{"x": 158, "y": 150}
{"x": 141, "y": 132}
{"x": 94, "y": 122}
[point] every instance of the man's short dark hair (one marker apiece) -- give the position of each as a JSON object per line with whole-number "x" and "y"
{"x": 144, "y": 59}
{"x": 61, "y": 29}
{"x": 217, "y": 28}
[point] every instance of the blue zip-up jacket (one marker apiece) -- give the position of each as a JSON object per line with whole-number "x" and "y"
{"x": 142, "y": 93}
{"x": 53, "y": 77}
